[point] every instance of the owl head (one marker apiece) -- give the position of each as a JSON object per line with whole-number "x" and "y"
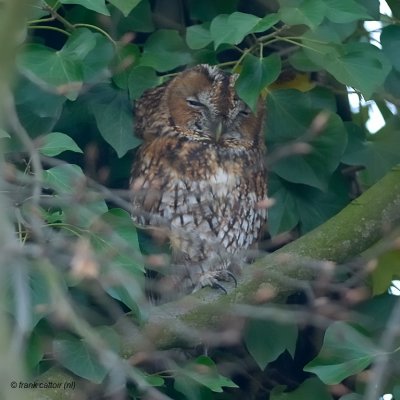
{"x": 204, "y": 106}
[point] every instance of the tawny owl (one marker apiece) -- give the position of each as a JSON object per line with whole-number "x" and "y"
{"x": 200, "y": 172}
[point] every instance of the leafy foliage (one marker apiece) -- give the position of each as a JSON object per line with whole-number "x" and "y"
{"x": 79, "y": 71}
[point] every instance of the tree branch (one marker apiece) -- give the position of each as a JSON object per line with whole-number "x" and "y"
{"x": 188, "y": 321}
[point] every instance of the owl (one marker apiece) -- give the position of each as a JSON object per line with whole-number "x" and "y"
{"x": 199, "y": 175}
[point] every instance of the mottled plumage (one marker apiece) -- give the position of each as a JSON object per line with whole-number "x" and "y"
{"x": 200, "y": 172}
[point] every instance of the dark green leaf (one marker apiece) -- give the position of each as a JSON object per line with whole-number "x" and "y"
{"x": 255, "y": 75}
{"x": 267, "y": 340}
{"x": 56, "y": 142}
{"x": 378, "y": 153}
{"x": 345, "y": 352}
{"x": 77, "y": 356}
{"x": 390, "y": 40}
{"x": 198, "y": 36}
{"x": 310, "y": 389}
{"x": 165, "y": 50}
{"x": 57, "y": 69}
{"x": 141, "y": 79}
{"x": 303, "y": 205}
{"x": 125, "y": 6}
{"x": 312, "y": 169}
{"x": 127, "y": 57}
{"x": 118, "y": 130}
{"x": 139, "y": 20}
{"x": 232, "y": 28}
{"x": 206, "y": 10}
{"x": 94, "y": 5}
{"x": 204, "y": 372}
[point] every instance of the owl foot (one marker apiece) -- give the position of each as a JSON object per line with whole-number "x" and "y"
{"x": 212, "y": 279}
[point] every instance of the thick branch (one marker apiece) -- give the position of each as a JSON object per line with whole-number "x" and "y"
{"x": 343, "y": 237}
{"x": 187, "y": 322}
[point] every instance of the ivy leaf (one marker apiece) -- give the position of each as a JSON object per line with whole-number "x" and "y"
{"x": 67, "y": 179}
{"x": 342, "y": 11}
{"x": 198, "y": 36}
{"x": 255, "y": 75}
{"x": 328, "y": 146}
{"x": 267, "y": 340}
{"x": 390, "y": 40}
{"x": 266, "y": 23}
{"x": 304, "y": 206}
{"x": 63, "y": 69}
{"x": 203, "y": 371}
{"x": 56, "y": 142}
{"x": 307, "y": 12}
{"x": 233, "y": 28}
{"x": 140, "y": 79}
{"x": 78, "y": 357}
{"x": 387, "y": 270}
{"x": 165, "y": 50}
{"x": 94, "y": 5}
{"x": 345, "y": 352}
{"x": 125, "y": 6}
{"x": 118, "y": 130}
{"x": 64, "y": 179}
{"x": 310, "y": 389}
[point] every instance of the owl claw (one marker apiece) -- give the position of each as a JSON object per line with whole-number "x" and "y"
{"x": 233, "y": 277}
{"x": 217, "y": 285}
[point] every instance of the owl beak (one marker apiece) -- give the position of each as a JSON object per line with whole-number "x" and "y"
{"x": 218, "y": 131}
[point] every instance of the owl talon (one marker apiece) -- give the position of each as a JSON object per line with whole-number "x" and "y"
{"x": 217, "y": 285}
{"x": 233, "y": 277}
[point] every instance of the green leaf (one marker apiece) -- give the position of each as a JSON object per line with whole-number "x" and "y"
{"x": 125, "y": 6}
{"x": 377, "y": 152}
{"x": 342, "y": 11}
{"x": 267, "y": 340}
{"x": 141, "y": 79}
{"x": 127, "y": 56}
{"x": 64, "y": 69}
{"x": 304, "y": 206}
{"x": 55, "y": 143}
{"x": 68, "y": 179}
{"x": 255, "y": 75}
{"x": 4, "y": 134}
{"x": 77, "y": 356}
{"x": 165, "y": 50}
{"x": 38, "y": 109}
{"x": 233, "y": 28}
{"x": 118, "y": 130}
{"x": 206, "y": 10}
{"x": 198, "y": 36}
{"x": 387, "y": 270}
{"x": 55, "y": 68}
{"x": 390, "y": 40}
{"x": 266, "y": 23}
{"x": 307, "y": 12}
{"x": 64, "y": 178}
{"x": 204, "y": 372}
{"x": 345, "y": 352}
{"x": 310, "y": 389}
{"x": 328, "y": 146}
{"x": 94, "y": 5}
{"x": 139, "y": 20}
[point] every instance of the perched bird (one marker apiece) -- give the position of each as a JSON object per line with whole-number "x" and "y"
{"x": 200, "y": 174}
